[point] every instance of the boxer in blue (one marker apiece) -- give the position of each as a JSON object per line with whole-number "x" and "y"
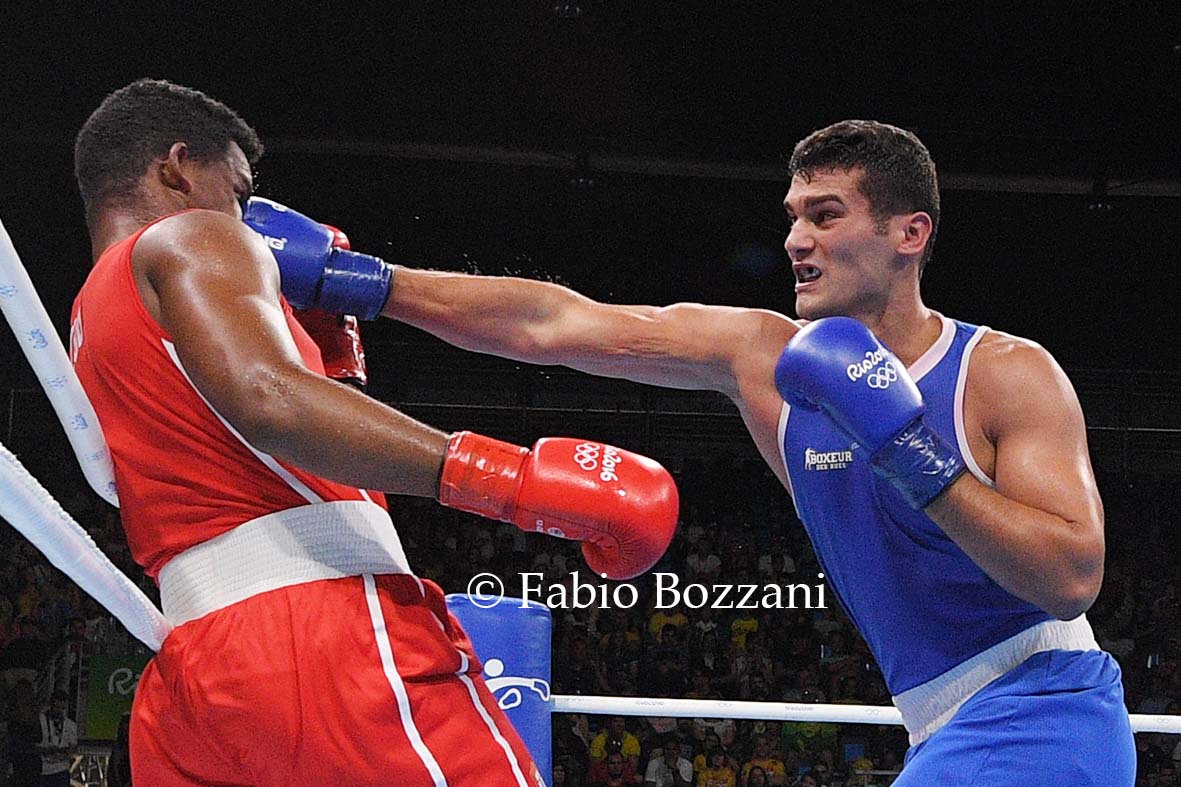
{"x": 941, "y": 469}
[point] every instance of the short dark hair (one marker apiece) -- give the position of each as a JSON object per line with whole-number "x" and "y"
{"x": 899, "y": 175}
{"x": 139, "y": 123}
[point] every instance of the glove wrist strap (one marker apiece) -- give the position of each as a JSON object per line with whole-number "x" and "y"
{"x": 355, "y": 283}
{"x": 481, "y": 475}
{"x": 919, "y": 463}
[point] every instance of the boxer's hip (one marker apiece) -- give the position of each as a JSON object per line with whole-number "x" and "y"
{"x": 1057, "y": 718}
{"x": 927, "y": 707}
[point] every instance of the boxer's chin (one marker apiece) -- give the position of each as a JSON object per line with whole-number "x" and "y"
{"x": 810, "y": 307}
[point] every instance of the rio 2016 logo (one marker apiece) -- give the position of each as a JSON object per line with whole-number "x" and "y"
{"x": 876, "y": 378}
{"x": 586, "y": 456}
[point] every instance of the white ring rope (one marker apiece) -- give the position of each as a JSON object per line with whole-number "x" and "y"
{"x": 25, "y": 503}
{"x": 30, "y": 508}
{"x": 38, "y": 339}
{"x": 777, "y": 711}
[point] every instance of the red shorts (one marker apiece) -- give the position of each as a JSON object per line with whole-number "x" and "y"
{"x": 357, "y": 681}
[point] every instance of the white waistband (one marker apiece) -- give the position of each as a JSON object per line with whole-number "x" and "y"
{"x": 303, "y": 544}
{"x": 929, "y": 706}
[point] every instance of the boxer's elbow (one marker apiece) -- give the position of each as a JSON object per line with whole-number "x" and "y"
{"x": 1079, "y": 589}
{"x": 264, "y": 408}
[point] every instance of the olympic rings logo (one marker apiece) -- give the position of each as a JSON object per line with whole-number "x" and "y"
{"x": 880, "y": 379}
{"x": 586, "y": 456}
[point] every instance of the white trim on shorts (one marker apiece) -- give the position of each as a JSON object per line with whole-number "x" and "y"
{"x": 385, "y": 648}
{"x": 928, "y": 706}
{"x": 344, "y": 538}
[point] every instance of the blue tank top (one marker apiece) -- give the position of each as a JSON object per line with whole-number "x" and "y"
{"x": 922, "y": 605}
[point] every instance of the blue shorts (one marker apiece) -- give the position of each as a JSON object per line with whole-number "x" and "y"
{"x": 1056, "y": 719}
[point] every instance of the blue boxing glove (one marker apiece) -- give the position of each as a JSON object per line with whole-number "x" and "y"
{"x": 315, "y": 273}
{"x": 838, "y": 365}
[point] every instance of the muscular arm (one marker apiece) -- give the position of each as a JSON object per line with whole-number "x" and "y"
{"x": 681, "y": 346}
{"x": 1040, "y": 533}
{"x": 214, "y": 286}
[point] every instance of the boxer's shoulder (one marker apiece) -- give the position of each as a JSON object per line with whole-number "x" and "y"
{"x": 1010, "y": 377}
{"x": 192, "y": 233}
{"x": 199, "y": 239}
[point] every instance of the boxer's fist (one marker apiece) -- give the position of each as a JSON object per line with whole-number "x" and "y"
{"x": 622, "y": 506}
{"x": 837, "y": 365}
{"x": 316, "y": 271}
{"x": 339, "y": 338}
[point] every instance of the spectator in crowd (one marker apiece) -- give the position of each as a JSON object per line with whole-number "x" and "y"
{"x": 763, "y": 756}
{"x": 757, "y": 777}
{"x": 24, "y": 735}
{"x": 662, "y": 618}
{"x": 616, "y": 772}
{"x": 702, "y": 564}
{"x": 712, "y": 743}
{"x": 705, "y": 641}
{"x": 59, "y": 739}
{"x": 616, "y": 735}
{"x": 717, "y": 773}
{"x": 741, "y": 627}
{"x": 668, "y": 768}
{"x": 119, "y": 766}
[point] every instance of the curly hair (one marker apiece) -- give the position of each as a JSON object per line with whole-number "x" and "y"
{"x": 139, "y": 123}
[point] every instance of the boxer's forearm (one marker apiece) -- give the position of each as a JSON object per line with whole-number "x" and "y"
{"x": 336, "y": 432}
{"x": 1039, "y": 557}
{"x": 514, "y": 318}
{"x": 685, "y": 345}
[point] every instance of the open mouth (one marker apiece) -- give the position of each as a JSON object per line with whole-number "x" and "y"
{"x": 806, "y": 273}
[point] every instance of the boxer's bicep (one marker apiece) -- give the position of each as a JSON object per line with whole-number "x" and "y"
{"x": 1040, "y": 435}
{"x": 685, "y": 345}
{"x": 218, "y": 293}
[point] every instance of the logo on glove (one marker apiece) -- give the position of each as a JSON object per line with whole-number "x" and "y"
{"x": 586, "y": 456}
{"x": 880, "y": 379}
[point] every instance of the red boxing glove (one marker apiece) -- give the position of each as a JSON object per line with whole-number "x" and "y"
{"x": 623, "y": 506}
{"x": 339, "y": 239}
{"x": 339, "y": 340}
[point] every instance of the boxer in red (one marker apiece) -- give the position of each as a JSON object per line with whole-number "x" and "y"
{"x": 305, "y": 651}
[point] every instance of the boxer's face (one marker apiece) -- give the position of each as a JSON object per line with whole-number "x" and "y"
{"x": 844, "y": 260}
{"x": 221, "y": 184}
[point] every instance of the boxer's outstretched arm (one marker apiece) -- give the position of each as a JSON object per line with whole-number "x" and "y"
{"x": 1040, "y": 533}
{"x": 213, "y": 285}
{"x": 686, "y": 345}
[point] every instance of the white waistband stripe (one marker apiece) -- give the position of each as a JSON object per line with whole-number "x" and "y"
{"x": 929, "y": 706}
{"x": 304, "y": 544}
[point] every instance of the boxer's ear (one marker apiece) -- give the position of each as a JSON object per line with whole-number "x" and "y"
{"x": 172, "y": 168}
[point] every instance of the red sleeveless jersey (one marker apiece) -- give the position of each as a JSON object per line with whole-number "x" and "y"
{"x": 184, "y": 474}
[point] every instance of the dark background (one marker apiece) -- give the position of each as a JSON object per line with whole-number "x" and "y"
{"x": 634, "y": 151}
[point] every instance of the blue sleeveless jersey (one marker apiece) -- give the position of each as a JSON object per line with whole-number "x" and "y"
{"x": 921, "y": 604}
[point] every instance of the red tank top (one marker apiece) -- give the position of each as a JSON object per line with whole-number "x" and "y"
{"x": 184, "y": 475}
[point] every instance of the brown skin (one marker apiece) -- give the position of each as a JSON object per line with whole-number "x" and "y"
{"x": 213, "y": 285}
{"x": 1039, "y": 533}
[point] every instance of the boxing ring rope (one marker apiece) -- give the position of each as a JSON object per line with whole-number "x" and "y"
{"x": 29, "y": 507}
{"x": 25, "y": 503}
{"x": 777, "y": 711}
